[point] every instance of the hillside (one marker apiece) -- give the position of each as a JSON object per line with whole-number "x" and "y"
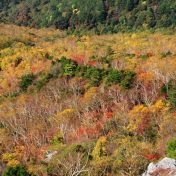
{"x": 93, "y": 105}
{"x": 103, "y": 16}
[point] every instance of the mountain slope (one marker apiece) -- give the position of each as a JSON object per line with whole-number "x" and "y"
{"x": 93, "y": 105}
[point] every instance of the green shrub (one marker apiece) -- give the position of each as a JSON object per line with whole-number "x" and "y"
{"x": 170, "y": 90}
{"x": 124, "y": 78}
{"x": 68, "y": 67}
{"x": 16, "y": 171}
{"x": 95, "y": 75}
{"x": 113, "y": 76}
{"x": 128, "y": 79}
{"x": 171, "y": 148}
{"x": 26, "y": 81}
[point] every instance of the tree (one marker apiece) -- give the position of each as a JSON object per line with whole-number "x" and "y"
{"x": 26, "y": 81}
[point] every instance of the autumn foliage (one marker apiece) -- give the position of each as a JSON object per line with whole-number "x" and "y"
{"x": 90, "y": 105}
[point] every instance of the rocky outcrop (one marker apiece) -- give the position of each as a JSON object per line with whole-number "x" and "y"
{"x": 165, "y": 167}
{"x": 50, "y": 155}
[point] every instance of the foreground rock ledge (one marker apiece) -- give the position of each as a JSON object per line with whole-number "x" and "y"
{"x": 165, "y": 167}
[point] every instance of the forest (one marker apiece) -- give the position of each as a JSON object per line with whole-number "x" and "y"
{"x": 87, "y": 87}
{"x": 101, "y": 16}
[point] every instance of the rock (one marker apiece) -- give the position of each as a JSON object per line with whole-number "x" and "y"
{"x": 49, "y": 155}
{"x": 165, "y": 167}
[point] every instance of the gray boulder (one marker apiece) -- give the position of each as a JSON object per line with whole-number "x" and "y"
{"x": 165, "y": 167}
{"x": 50, "y": 155}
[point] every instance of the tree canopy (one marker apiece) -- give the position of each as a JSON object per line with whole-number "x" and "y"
{"x": 103, "y": 15}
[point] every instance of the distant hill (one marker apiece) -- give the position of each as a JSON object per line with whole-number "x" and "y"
{"x": 102, "y": 15}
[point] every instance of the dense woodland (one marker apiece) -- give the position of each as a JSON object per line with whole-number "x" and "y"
{"x": 103, "y": 16}
{"x": 95, "y": 105}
